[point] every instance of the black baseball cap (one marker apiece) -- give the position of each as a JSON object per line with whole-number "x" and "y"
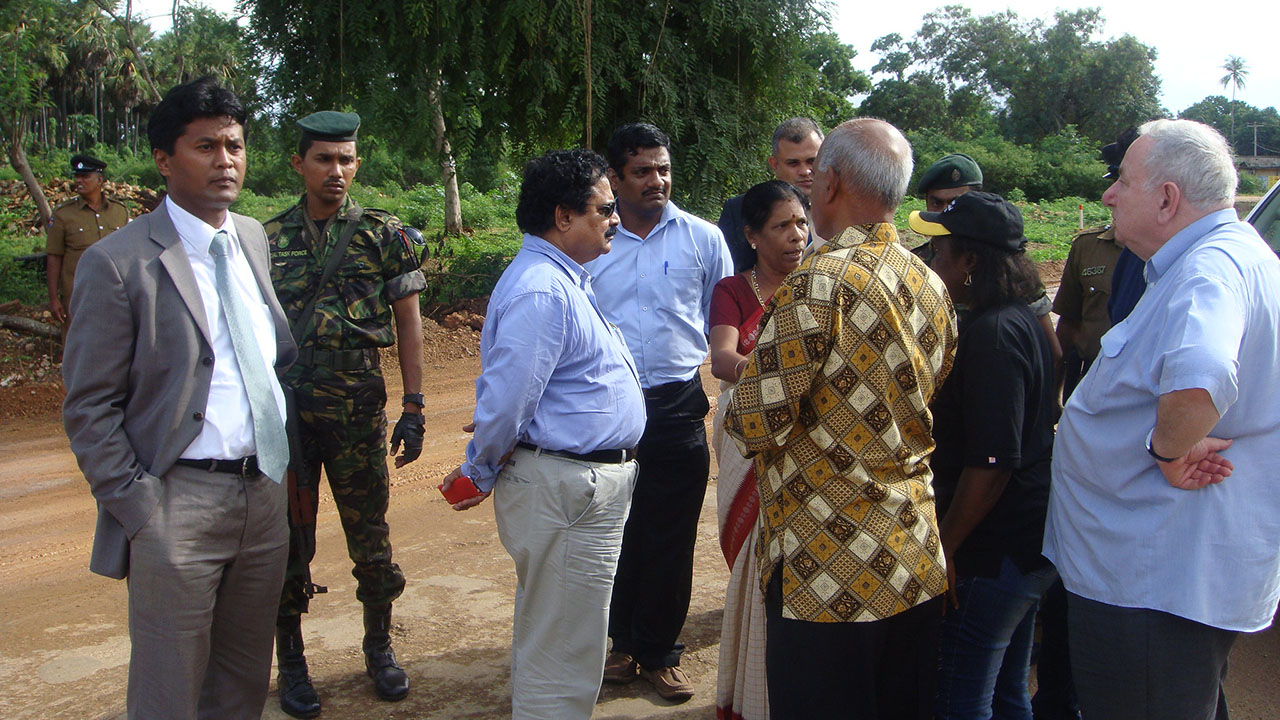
{"x": 981, "y": 216}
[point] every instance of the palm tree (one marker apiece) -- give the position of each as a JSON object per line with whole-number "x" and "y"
{"x": 1236, "y": 73}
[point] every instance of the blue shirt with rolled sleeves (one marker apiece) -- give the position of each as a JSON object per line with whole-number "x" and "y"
{"x": 1116, "y": 530}
{"x": 658, "y": 290}
{"x": 554, "y": 372}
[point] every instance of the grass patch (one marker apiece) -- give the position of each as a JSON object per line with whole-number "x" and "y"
{"x": 469, "y": 265}
{"x": 20, "y": 280}
{"x": 1049, "y": 225}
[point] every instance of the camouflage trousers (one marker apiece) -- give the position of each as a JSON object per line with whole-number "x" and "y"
{"x": 344, "y": 429}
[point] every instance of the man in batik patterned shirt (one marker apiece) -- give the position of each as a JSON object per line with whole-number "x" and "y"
{"x": 834, "y": 404}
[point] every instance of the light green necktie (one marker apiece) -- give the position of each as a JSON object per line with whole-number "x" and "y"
{"x": 268, "y": 428}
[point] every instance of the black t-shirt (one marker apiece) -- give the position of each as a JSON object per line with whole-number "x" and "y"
{"x": 995, "y": 410}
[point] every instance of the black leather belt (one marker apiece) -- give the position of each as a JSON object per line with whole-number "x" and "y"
{"x": 595, "y": 456}
{"x": 245, "y": 467}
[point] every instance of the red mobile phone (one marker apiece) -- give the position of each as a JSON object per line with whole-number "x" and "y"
{"x": 462, "y": 489}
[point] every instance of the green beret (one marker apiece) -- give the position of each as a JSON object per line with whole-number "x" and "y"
{"x": 952, "y": 171}
{"x": 330, "y": 126}
{"x": 86, "y": 164}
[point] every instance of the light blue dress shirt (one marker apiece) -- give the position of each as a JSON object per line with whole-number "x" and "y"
{"x": 554, "y": 372}
{"x": 658, "y": 290}
{"x": 1116, "y": 530}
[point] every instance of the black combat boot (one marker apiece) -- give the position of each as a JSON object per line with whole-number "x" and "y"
{"x": 389, "y": 680}
{"x": 298, "y": 697}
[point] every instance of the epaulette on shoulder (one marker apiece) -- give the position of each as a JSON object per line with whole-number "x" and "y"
{"x": 1090, "y": 231}
{"x": 382, "y": 217}
{"x": 66, "y": 203}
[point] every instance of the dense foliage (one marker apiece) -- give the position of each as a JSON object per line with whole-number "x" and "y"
{"x": 457, "y": 93}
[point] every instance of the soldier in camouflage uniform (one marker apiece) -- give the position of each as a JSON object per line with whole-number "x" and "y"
{"x": 339, "y": 391}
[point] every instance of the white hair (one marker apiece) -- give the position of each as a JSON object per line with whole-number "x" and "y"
{"x": 870, "y": 155}
{"x": 1193, "y": 156}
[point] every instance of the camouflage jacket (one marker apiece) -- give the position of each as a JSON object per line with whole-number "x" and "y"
{"x": 354, "y": 310}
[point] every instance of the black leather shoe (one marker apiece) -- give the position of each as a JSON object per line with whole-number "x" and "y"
{"x": 298, "y": 697}
{"x": 389, "y": 679}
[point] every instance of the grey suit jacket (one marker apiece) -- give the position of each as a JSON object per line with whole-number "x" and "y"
{"x": 137, "y": 366}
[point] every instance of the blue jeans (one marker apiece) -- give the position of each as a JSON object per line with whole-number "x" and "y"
{"x": 985, "y": 649}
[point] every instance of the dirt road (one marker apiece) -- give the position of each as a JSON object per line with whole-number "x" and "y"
{"x": 64, "y": 644}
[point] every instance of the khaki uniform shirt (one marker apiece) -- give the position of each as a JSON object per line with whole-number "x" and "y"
{"x": 73, "y": 228}
{"x": 1086, "y": 285}
{"x": 834, "y": 404}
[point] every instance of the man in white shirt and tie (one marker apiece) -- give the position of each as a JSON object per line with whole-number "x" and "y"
{"x": 176, "y": 419}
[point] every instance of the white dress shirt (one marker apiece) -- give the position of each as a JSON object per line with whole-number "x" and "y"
{"x": 228, "y": 423}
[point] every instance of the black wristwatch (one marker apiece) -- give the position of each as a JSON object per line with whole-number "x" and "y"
{"x": 415, "y": 398}
{"x": 1152, "y": 452}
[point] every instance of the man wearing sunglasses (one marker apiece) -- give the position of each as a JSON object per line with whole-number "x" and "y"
{"x": 558, "y": 414}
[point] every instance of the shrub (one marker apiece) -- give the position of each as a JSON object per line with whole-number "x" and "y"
{"x": 1250, "y": 184}
{"x": 468, "y": 265}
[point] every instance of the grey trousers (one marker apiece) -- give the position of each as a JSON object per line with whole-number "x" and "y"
{"x": 204, "y": 583}
{"x": 561, "y": 521}
{"x": 1140, "y": 664}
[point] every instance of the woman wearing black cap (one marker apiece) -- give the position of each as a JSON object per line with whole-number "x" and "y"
{"x": 993, "y": 425}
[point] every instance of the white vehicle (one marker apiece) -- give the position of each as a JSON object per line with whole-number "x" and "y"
{"x": 1265, "y": 216}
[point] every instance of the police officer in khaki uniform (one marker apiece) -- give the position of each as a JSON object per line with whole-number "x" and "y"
{"x": 1081, "y": 302}
{"x": 75, "y": 225}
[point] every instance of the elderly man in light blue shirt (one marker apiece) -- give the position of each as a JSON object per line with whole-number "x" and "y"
{"x": 656, "y": 285}
{"x": 1164, "y": 518}
{"x": 559, "y": 412}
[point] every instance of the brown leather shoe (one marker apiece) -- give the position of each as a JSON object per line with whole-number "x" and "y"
{"x": 671, "y": 683}
{"x": 620, "y": 668}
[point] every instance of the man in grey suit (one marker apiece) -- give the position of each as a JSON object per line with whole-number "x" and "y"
{"x": 175, "y": 417}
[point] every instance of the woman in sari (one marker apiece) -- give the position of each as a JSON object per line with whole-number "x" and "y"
{"x": 774, "y": 214}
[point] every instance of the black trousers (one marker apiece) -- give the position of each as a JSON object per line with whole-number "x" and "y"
{"x": 655, "y": 571}
{"x": 1055, "y": 697}
{"x": 881, "y": 670}
{"x": 1140, "y": 664}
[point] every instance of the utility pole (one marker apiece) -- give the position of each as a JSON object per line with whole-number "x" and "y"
{"x": 1255, "y": 127}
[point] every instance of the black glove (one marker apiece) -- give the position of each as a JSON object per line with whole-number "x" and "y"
{"x": 409, "y": 428}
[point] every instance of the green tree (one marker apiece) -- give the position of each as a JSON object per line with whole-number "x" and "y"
{"x": 1044, "y": 76}
{"x": 511, "y": 78}
{"x": 1260, "y": 126}
{"x": 204, "y": 42}
{"x": 1236, "y": 74}
{"x": 835, "y": 79}
{"x": 28, "y": 44}
{"x": 915, "y": 103}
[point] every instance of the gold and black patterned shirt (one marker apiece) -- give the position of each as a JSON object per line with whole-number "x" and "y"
{"x": 835, "y": 404}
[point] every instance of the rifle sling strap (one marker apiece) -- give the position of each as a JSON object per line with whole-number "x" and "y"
{"x": 300, "y": 324}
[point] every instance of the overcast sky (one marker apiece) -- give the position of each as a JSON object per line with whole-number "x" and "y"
{"x": 1191, "y": 48}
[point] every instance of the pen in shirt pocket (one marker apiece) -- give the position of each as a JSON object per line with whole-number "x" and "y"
{"x": 665, "y": 264}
